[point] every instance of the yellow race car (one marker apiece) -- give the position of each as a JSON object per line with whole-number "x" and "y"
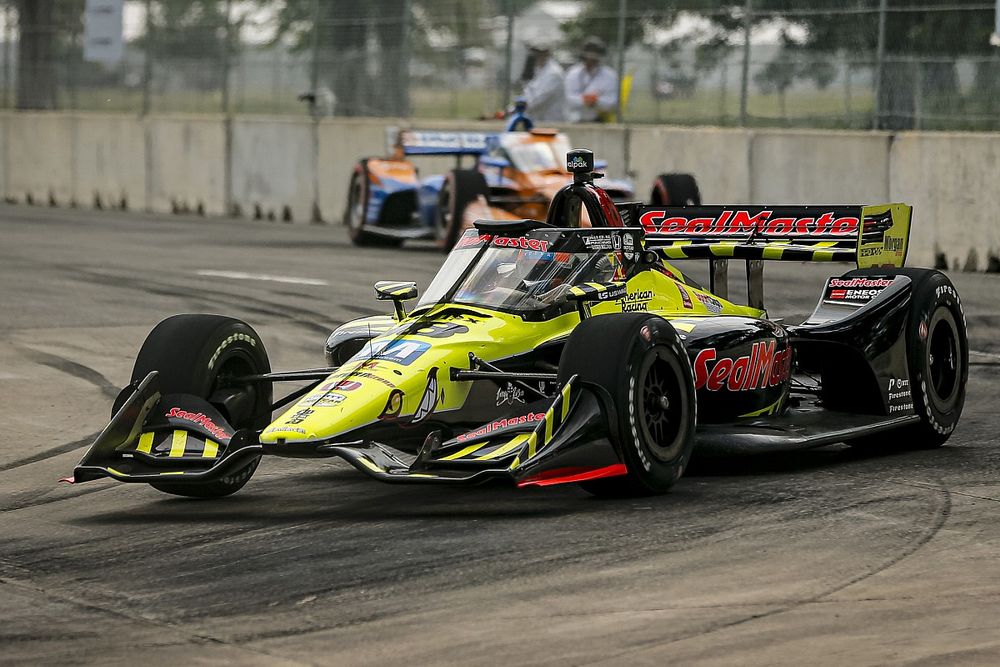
{"x": 545, "y": 353}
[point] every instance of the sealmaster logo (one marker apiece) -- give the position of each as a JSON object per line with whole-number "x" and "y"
{"x": 201, "y": 419}
{"x": 501, "y": 424}
{"x": 760, "y": 369}
{"x": 731, "y": 222}
{"x": 521, "y": 242}
{"x": 861, "y": 282}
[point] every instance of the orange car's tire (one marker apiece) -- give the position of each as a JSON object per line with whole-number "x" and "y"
{"x": 460, "y": 188}
{"x": 357, "y": 211}
{"x": 675, "y": 190}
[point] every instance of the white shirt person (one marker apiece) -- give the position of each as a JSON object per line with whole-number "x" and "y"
{"x": 545, "y": 93}
{"x": 591, "y": 88}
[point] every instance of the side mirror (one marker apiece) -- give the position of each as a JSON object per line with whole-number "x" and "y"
{"x": 397, "y": 292}
{"x": 588, "y": 293}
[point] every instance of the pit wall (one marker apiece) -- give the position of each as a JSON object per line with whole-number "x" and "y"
{"x": 297, "y": 170}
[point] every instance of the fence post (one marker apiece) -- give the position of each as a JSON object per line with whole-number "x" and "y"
{"x": 314, "y": 69}
{"x": 745, "y": 75}
{"x": 147, "y": 62}
{"x": 622, "y": 4}
{"x": 879, "y": 64}
{"x": 404, "y": 60}
{"x": 8, "y": 33}
{"x": 507, "y": 74}
{"x": 228, "y": 42}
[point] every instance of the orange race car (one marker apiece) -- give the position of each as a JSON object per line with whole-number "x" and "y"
{"x": 517, "y": 172}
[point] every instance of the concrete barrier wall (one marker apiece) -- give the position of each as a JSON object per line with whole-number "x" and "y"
{"x": 952, "y": 182}
{"x": 277, "y": 166}
{"x": 109, "y": 161}
{"x": 718, "y": 158}
{"x": 186, "y": 164}
{"x": 273, "y": 168}
{"x": 38, "y": 158}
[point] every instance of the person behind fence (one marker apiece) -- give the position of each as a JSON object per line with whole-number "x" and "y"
{"x": 545, "y": 91}
{"x": 591, "y": 88}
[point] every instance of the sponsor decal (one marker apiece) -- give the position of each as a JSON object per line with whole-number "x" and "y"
{"x": 339, "y": 384}
{"x": 875, "y": 226}
{"x": 710, "y": 302}
{"x": 576, "y": 162}
{"x": 522, "y": 242}
{"x": 400, "y": 351}
{"x": 393, "y": 405}
{"x": 860, "y": 282}
{"x": 300, "y": 416}
{"x": 439, "y": 330}
{"x": 636, "y": 301}
{"x": 510, "y": 395}
{"x": 628, "y": 245}
{"x": 685, "y": 297}
{"x": 200, "y": 419}
{"x": 598, "y": 242}
{"x": 429, "y": 400}
{"x": 893, "y": 244}
{"x": 324, "y": 400}
{"x": 501, "y": 425}
{"x": 278, "y": 429}
{"x": 732, "y": 222}
{"x": 762, "y": 368}
{"x": 471, "y": 240}
{"x": 898, "y": 395}
{"x": 855, "y": 290}
{"x": 229, "y": 341}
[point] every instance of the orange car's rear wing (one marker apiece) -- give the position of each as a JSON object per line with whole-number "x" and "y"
{"x": 869, "y": 236}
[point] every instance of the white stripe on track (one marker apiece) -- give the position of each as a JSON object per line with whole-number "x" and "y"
{"x": 239, "y": 275}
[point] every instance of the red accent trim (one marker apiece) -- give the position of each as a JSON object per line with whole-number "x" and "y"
{"x": 573, "y": 474}
{"x": 607, "y": 204}
{"x": 67, "y": 480}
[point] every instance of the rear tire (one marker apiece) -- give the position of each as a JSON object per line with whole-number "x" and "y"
{"x": 192, "y": 353}
{"x": 357, "y": 211}
{"x": 937, "y": 355}
{"x": 675, "y": 190}
{"x": 460, "y": 188}
{"x": 639, "y": 360}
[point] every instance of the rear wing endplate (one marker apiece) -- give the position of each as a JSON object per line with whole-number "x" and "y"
{"x": 869, "y": 236}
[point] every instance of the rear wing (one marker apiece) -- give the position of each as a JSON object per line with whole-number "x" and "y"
{"x": 434, "y": 142}
{"x": 869, "y": 236}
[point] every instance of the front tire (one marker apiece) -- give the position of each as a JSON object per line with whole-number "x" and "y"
{"x": 647, "y": 376}
{"x": 193, "y": 354}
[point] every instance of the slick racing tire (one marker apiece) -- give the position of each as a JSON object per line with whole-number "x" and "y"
{"x": 937, "y": 355}
{"x": 357, "y": 211}
{"x": 675, "y": 190}
{"x": 460, "y": 188}
{"x": 191, "y": 354}
{"x": 639, "y": 361}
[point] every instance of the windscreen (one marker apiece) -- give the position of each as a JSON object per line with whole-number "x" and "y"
{"x": 535, "y": 155}
{"x": 523, "y": 274}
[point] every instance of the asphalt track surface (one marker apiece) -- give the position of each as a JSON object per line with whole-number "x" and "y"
{"x": 826, "y": 556}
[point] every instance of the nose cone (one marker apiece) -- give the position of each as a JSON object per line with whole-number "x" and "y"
{"x": 403, "y": 383}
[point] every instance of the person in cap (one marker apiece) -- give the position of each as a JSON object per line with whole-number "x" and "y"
{"x": 545, "y": 92}
{"x": 591, "y": 87}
